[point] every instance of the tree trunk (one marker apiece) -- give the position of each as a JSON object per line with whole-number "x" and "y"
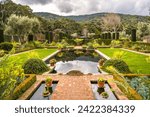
{"x": 19, "y": 39}
{"x": 12, "y": 38}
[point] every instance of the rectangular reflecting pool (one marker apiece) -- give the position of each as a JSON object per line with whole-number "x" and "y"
{"x": 111, "y": 95}
{"x": 38, "y": 94}
{"x": 85, "y": 61}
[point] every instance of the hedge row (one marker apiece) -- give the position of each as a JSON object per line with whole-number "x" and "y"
{"x": 21, "y": 88}
{"x": 105, "y": 41}
{"x": 141, "y": 43}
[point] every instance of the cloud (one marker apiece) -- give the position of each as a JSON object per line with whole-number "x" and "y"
{"x": 80, "y": 7}
{"x": 64, "y": 6}
{"x": 33, "y": 2}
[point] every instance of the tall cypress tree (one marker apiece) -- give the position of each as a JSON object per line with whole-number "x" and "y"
{"x": 30, "y": 38}
{"x": 117, "y": 35}
{"x": 1, "y": 36}
{"x": 114, "y": 35}
{"x": 109, "y": 35}
{"x": 50, "y": 36}
{"x": 47, "y": 36}
{"x": 133, "y": 35}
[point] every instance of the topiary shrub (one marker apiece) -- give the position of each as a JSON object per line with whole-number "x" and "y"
{"x": 120, "y": 65}
{"x": 35, "y": 66}
{"x": 6, "y": 46}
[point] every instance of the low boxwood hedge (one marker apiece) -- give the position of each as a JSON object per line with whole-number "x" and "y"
{"x": 22, "y": 87}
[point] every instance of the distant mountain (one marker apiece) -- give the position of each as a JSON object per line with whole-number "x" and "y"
{"x": 76, "y": 18}
{"x": 88, "y": 17}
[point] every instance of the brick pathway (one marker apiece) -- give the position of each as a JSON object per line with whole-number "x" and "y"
{"x": 73, "y": 87}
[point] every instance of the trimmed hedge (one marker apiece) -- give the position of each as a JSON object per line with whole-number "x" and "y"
{"x": 120, "y": 65}
{"x": 26, "y": 84}
{"x": 35, "y": 66}
{"x": 140, "y": 46}
{"x": 6, "y": 46}
{"x": 105, "y": 41}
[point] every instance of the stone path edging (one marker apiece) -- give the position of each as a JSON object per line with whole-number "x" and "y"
{"x": 102, "y": 54}
{"x": 51, "y": 55}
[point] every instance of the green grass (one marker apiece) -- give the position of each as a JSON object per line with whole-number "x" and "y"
{"x": 136, "y": 62}
{"x": 22, "y": 57}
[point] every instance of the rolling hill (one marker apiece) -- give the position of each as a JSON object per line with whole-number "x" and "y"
{"x": 90, "y": 16}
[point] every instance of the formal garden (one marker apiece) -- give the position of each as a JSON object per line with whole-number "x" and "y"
{"x": 63, "y": 59}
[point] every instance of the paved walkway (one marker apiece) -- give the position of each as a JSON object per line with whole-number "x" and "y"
{"x": 78, "y": 47}
{"x": 73, "y": 87}
{"x": 146, "y": 54}
{"x": 23, "y": 52}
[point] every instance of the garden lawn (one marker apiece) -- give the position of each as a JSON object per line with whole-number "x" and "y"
{"x": 22, "y": 57}
{"x": 136, "y": 62}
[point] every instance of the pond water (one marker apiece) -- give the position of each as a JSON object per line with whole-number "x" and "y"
{"x": 106, "y": 89}
{"x": 38, "y": 94}
{"x": 85, "y": 61}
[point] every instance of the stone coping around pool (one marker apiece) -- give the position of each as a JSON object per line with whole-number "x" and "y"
{"x": 102, "y": 54}
{"x": 73, "y": 87}
{"x": 97, "y": 51}
{"x": 51, "y": 55}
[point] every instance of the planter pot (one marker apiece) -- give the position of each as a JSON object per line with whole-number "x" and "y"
{"x": 49, "y": 84}
{"x": 52, "y": 64}
{"x": 101, "y": 84}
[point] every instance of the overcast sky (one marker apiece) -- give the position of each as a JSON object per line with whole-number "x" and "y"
{"x": 80, "y": 7}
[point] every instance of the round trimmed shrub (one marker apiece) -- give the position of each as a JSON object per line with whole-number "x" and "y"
{"x": 35, "y": 66}
{"x": 6, "y": 46}
{"x": 120, "y": 65}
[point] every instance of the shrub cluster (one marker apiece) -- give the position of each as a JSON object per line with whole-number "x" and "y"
{"x": 104, "y": 41}
{"x": 35, "y": 66}
{"x": 6, "y": 46}
{"x": 21, "y": 88}
{"x": 120, "y": 65}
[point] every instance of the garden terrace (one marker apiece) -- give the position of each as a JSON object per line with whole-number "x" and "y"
{"x": 73, "y": 87}
{"x": 136, "y": 62}
{"x": 22, "y": 57}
